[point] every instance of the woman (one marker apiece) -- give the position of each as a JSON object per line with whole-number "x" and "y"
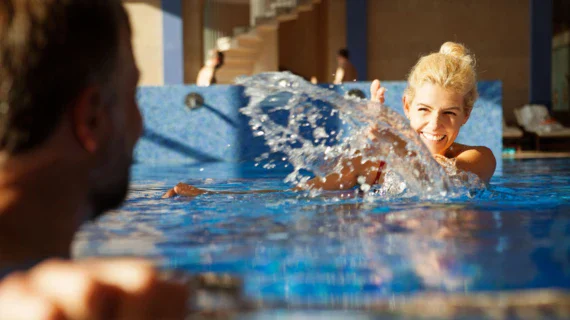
{"x": 441, "y": 92}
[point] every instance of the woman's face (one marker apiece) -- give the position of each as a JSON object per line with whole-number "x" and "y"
{"x": 436, "y": 114}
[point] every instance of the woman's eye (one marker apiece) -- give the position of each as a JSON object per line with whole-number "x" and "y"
{"x": 449, "y": 112}
{"x": 422, "y": 109}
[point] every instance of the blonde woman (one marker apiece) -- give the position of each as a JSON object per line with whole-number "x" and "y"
{"x": 441, "y": 92}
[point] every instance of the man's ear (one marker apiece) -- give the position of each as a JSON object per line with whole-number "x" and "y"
{"x": 87, "y": 115}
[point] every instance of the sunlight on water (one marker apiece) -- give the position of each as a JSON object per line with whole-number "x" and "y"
{"x": 318, "y": 131}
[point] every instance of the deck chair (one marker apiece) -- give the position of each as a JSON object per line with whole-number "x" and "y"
{"x": 512, "y": 136}
{"x": 535, "y": 119}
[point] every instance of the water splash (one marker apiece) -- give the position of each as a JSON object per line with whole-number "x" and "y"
{"x": 319, "y": 131}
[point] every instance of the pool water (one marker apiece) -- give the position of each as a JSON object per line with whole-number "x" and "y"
{"x": 340, "y": 248}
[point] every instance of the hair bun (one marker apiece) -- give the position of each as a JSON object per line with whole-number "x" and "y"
{"x": 456, "y": 50}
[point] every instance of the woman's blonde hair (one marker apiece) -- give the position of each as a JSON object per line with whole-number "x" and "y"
{"x": 453, "y": 67}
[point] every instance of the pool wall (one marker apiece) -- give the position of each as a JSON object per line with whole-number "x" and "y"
{"x": 217, "y": 131}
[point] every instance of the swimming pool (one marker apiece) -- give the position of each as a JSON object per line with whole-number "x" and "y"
{"x": 345, "y": 252}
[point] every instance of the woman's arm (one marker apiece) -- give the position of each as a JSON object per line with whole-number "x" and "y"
{"x": 348, "y": 178}
{"x": 183, "y": 189}
{"x": 351, "y": 170}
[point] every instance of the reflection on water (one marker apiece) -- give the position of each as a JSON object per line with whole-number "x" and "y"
{"x": 340, "y": 248}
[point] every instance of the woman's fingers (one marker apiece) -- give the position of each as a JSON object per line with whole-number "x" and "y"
{"x": 187, "y": 190}
{"x": 374, "y": 87}
{"x": 377, "y": 92}
{"x": 183, "y": 189}
{"x": 169, "y": 194}
{"x": 380, "y": 95}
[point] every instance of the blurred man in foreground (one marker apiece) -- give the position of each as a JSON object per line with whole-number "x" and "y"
{"x": 68, "y": 125}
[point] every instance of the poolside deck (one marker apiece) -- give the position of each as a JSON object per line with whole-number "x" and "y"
{"x": 536, "y": 155}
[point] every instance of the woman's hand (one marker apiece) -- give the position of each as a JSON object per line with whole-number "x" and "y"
{"x": 183, "y": 189}
{"x": 377, "y": 92}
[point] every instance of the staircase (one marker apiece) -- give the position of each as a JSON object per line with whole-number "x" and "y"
{"x": 254, "y": 49}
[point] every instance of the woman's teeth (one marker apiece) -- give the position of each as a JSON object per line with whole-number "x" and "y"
{"x": 433, "y": 137}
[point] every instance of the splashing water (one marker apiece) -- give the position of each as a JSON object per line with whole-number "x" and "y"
{"x": 319, "y": 131}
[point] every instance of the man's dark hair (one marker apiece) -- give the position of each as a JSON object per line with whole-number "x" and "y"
{"x": 220, "y": 59}
{"x": 344, "y": 53}
{"x": 50, "y": 50}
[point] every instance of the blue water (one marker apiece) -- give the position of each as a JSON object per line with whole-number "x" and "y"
{"x": 339, "y": 247}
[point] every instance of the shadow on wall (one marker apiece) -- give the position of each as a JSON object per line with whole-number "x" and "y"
{"x": 217, "y": 131}
{"x": 212, "y": 131}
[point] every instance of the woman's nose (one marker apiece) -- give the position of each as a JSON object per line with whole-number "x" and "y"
{"x": 435, "y": 120}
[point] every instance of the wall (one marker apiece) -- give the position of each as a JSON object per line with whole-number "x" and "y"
{"x": 302, "y": 44}
{"x": 497, "y": 31}
{"x": 336, "y": 33}
{"x": 146, "y": 22}
{"x": 192, "y": 20}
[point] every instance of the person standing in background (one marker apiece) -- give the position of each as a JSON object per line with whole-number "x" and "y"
{"x": 345, "y": 71}
{"x": 207, "y": 75}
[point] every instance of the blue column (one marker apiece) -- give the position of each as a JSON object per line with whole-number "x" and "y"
{"x": 357, "y": 36}
{"x": 172, "y": 41}
{"x": 540, "y": 52}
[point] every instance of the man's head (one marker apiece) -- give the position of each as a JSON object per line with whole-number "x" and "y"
{"x": 68, "y": 79}
{"x": 216, "y": 58}
{"x": 342, "y": 55}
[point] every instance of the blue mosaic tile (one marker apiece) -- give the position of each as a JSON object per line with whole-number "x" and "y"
{"x": 218, "y": 132}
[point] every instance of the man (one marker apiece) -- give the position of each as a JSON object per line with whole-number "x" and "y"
{"x": 345, "y": 71}
{"x": 68, "y": 125}
{"x": 207, "y": 75}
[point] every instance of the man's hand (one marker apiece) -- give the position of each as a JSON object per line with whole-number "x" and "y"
{"x": 183, "y": 189}
{"x": 377, "y": 92}
{"x": 91, "y": 289}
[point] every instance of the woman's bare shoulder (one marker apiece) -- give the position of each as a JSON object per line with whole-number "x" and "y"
{"x": 477, "y": 159}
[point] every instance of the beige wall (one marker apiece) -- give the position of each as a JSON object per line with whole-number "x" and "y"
{"x": 192, "y": 20}
{"x": 303, "y": 43}
{"x": 146, "y": 21}
{"x": 336, "y": 33}
{"x": 497, "y": 31}
{"x": 308, "y": 44}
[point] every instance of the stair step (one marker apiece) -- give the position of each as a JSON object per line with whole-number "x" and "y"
{"x": 239, "y": 52}
{"x": 240, "y": 62}
{"x": 287, "y": 16}
{"x": 225, "y": 70}
{"x": 285, "y": 13}
{"x": 248, "y": 41}
{"x": 305, "y": 7}
{"x": 228, "y": 76}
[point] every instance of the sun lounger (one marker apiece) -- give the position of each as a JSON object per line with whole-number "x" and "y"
{"x": 536, "y": 120}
